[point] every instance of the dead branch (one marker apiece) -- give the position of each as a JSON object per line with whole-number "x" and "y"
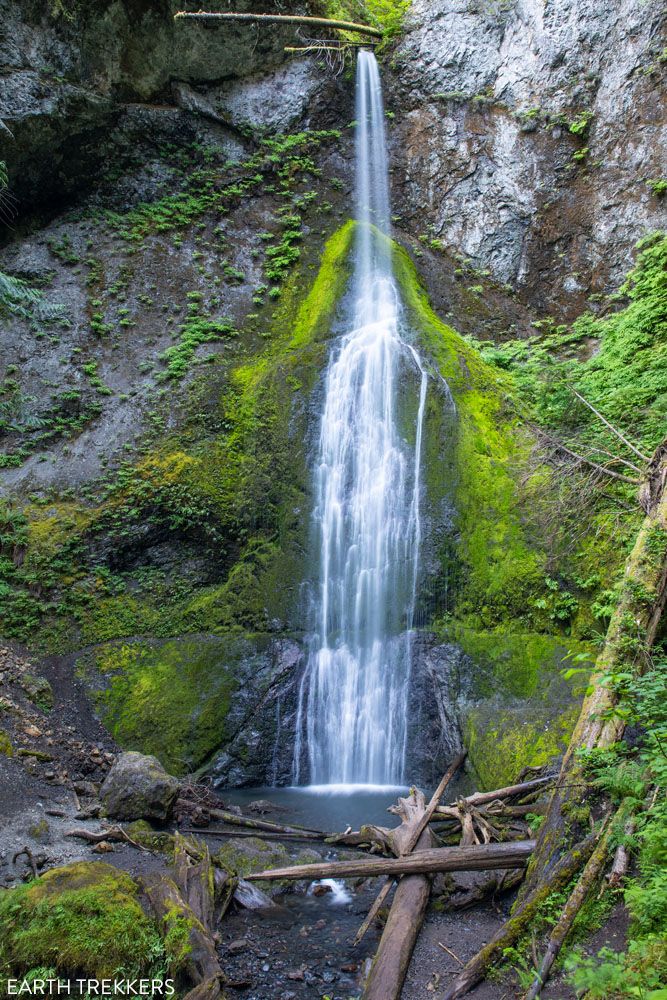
{"x": 265, "y": 825}
{"x": 593, "y": 867}
{"x": 319, "y": 22}
{"x": 611, "y": 427}
{"x": 580, "y": 458}
{"x": 115, "y": 833}
{"x": 29, "y": 856}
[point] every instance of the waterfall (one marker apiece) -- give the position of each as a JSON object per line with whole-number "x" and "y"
{"x": 367, "y": 491}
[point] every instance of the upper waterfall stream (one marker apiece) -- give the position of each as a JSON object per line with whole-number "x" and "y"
{"x": 353, "y": 701}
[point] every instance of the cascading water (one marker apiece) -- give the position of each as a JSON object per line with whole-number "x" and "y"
{"x": 353, "y": 702}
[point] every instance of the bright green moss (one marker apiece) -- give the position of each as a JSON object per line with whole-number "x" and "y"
{"x": 169, "y": 699}
{"x": 499, "y": 568}
{"x": 82, "y": 920}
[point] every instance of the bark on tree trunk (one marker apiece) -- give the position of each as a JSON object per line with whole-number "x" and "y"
{"x": 483, "y": 857}
{"x": 309, "y": 22}
{"x": 632, "y": 631}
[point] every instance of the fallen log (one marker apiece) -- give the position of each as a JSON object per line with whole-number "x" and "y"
{"x": 406, "y": 916}
{"x": 406, "y": 844}
{"x": 309, "y": 22}
{"x": 593, "y": 867}
{"x": 266, "y": 825}
{"x": 514, "y": 854}
{"x": 520, "y": 919}
{"x": 621, "y": 863}
{"x": 201, "y": 963}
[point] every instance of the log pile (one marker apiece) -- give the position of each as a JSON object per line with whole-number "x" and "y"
{"x": 490, "y": 834}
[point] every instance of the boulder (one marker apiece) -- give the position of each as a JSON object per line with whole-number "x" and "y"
{"x": 138, "y": 787}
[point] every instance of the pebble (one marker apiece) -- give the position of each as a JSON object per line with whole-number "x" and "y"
{"x": 241, "y": 944}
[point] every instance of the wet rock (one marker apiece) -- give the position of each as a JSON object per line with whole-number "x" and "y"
{"x": 261, "y": 806}
{"x": 138, "y": 787}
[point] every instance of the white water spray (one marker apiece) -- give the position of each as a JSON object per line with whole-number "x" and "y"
{"x": 367, "y": 490}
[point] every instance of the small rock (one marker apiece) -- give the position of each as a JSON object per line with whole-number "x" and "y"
{"x": 321, "y": 890}
{"x": 32, "y": 731}
{"x": 241, "y": 944}
{"x": 297, "y": 975}
{"x": 104, "y": 847}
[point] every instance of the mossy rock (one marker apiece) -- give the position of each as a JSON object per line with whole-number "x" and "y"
{"x": 179, "y": 699}
{"x": 84, "y": 919}
{"x": 252, "y": 854}
{"x": 6, "y": 748}
{"x": 520, "y": 710}
{"x": 38, "y": 690}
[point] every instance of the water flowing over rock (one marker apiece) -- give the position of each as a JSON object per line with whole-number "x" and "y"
{"x": 367, "y": 497}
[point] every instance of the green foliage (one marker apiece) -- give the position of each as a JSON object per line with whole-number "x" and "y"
{"x": 84, "y": 919}
{"x": 18, "y": 298}
{"x": 636, "y": 775}
{"x": 581, "y": 124}
{"x": 196, "y": 331}
{"x": 618, "y": 362}
{"x": 658, "y": 186}
{"x": 388, "y": 15}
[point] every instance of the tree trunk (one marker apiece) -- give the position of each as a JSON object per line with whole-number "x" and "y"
{"x": 632, "y": 631}
{"x": 594, "y": 866}
{"x": 200, "y": 964}
{"x": 484, "y": 857}
{"x": 520, "y": 920}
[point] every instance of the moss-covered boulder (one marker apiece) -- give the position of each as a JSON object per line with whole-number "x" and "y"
{"x": 138, "y": 787}
{"x": 81, "y": 920}
{"x": 252, "y": 854}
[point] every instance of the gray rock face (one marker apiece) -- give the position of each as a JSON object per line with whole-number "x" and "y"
{"x": 434, "y": 733}
{"x": 138, "y": 787}
{"x": 262, "y": 721}
{"x": 483, "y": 95}
{"x": 65, "y": 81}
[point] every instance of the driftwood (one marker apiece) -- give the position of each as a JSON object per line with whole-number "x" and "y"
{"x": 509, "y": 792}
{"x": 592, "y": 870}
{"x": 309, "y": 22}
{"x": 514, "y": 854}
{"x": 408, "y": 908}
{"x": 520, "y": 919}
{"x": 405, "y": 844}
{"x": 112, "y": 833}
{"x": 266, "y": 826}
